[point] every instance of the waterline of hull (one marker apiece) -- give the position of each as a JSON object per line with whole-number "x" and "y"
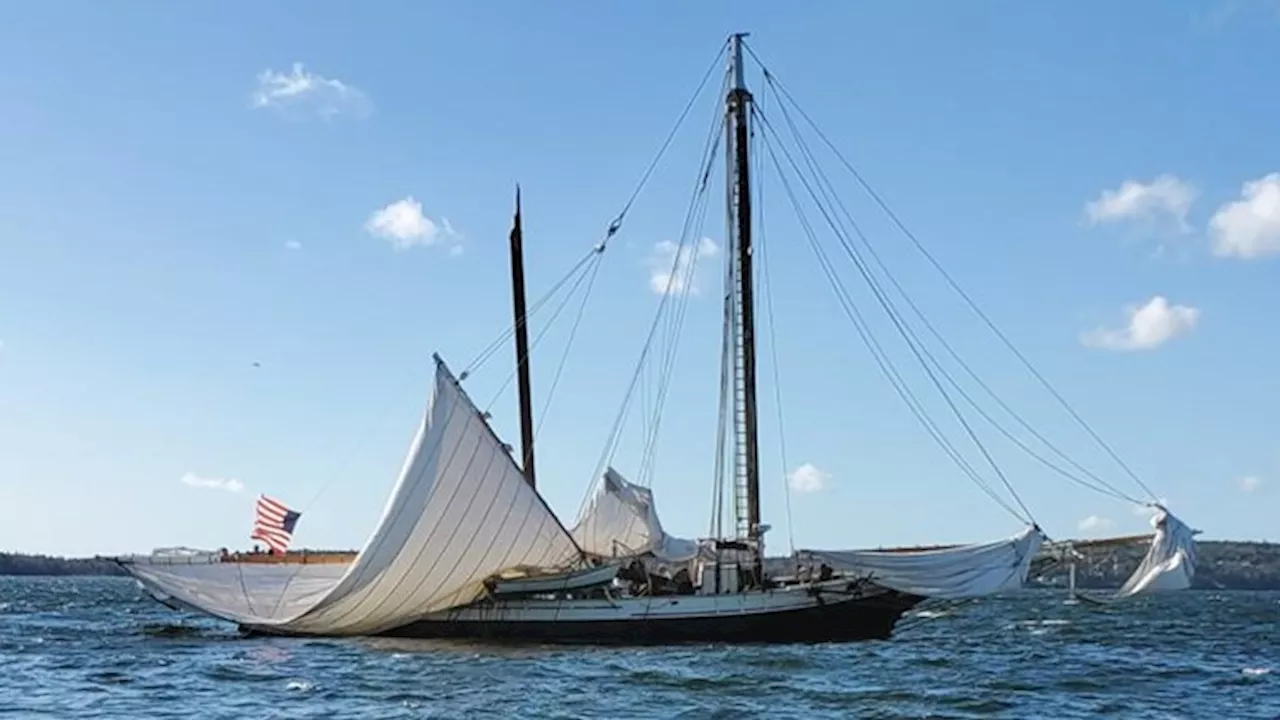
{"x": 793, "y": 616}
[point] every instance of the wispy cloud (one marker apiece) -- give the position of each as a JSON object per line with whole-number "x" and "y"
{"x": 292, "y": 245}
{"x": 808, "y": 478}
{"x": 1149, "y": 326}
{"x": 674, "y": 268}
{"x": 301, "y": 92}
{"x": 1095, "y": 523}
{"x": 403, "y": 224}
{"x": 1249, "y": 228}
{"x": 212, "y": 483}
{"x": 1161, "y": 204}
{"x": 1249, "y": 483}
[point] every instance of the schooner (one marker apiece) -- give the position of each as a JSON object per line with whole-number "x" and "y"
{"x": 467, "y": 547}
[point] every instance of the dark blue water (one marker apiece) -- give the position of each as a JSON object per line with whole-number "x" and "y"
{"x": 95, "y": 648}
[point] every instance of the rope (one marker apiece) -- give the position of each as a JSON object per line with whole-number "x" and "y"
{"x": 766, "y": 286}
{"x": 715, "y": 63}
{"x": 883, "y": 363}
{"x": 493, "y": 347}
{"x": 709, "y": 153}
{"x": 613, "y": 227}
{"x": 573, "y": 331}
{"x": 887, "y": 305}
{"x": 1101, "y": 486}
{"x": 772, "y": 80}
{"x": 537, "y": 340}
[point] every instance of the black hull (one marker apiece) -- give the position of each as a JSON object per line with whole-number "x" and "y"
{"x": 835, "y": 621}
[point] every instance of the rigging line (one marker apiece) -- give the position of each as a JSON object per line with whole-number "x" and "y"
{"x": 475, "y": 364}
{"x": 675, "y": 321}
{"x": 617, "y": 223}
{"x": 829, "y": 195}
{"x": 483, "y": 356}
{"x": 832, "y": 196}
{"x": 1101, "y": 486}
{"x": 766, "y": 286}
{"x": 887, "y": 305}
{"x": 1004, "y": 339}
{"x": 728, "y": 318}
{"x": 573, "y": 331}
{"x": 616, "y": 430}
{"x": 881, "y": 358}
{"x": 537, "y": 340}
{"x": 651, "y": 416}
{"x": 667, "y": 368}
{"x": 877, "y": 352}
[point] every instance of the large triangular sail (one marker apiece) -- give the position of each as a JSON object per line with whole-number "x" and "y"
{"x": 460, "y": 514}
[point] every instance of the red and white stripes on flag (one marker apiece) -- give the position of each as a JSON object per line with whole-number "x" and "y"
{"x": 273, "y": 524}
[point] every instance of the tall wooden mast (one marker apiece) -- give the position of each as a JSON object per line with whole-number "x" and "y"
{"x": 747, "y": 454}
{"x": 522, "y": 346}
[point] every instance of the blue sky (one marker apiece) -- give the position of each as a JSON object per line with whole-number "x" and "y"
{"x": 179, "y": 201}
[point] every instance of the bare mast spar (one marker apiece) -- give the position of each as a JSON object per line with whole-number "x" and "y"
{"x": 522, "y": 346}
{"x": 746, "y": 484}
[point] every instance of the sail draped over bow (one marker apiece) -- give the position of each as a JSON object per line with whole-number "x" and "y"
{"x": 945, "y": 573}
{"x": 460, "y": 513}
{"x": 622, "y": 520}
{"x": 1170, "y": 561}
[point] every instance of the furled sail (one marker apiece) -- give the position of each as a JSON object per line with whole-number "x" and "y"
{"x": 621, "y": 520}
{"x": 947, "y": 573}
{"x": 460, "y": 513}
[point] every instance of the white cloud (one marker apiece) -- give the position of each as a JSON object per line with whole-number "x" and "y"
{"x": 1250, "y": 227}
{"x": 228, "y": 484}
{"x": 292, "y": 245}
{"x": 1163, "y": 201}
{"x": 675, "y": 267}
{"x": 403, "y": 224}
{"x": 808, "y": 478}
{"x": 1095, "y": 522}
{"x": 1250, "y": 483}
{"x": 300, "y": 91}
{"x": 1150, "y": 326}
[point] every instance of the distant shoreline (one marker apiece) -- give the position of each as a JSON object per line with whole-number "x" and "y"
{"x": 1220, "y": 565}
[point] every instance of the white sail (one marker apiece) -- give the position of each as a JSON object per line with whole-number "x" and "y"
{"x": 460, "y": 513}
{"x": 1170, "y": 561}
{"x": 621, "y": 520}
{"x": 948, "y": 573}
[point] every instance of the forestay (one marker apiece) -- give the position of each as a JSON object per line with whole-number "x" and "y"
{"x": 621, "y": 520}
{"x": 947, "y": 573}
{"x": 461, "y": 512}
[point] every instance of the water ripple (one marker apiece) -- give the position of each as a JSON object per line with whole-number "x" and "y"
{"x": 95, "y": 648}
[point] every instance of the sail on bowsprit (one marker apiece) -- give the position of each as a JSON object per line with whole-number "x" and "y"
{"x": 460, "y": 513}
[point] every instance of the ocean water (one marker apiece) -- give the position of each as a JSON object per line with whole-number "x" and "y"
{"x": 96, "y": 648}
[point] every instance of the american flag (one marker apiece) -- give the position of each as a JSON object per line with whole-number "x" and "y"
{"x": 274, "y": 523}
